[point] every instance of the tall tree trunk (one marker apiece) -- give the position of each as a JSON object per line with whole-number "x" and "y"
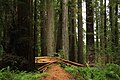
{"x": 35, "y": 29}
{"x": 5, "y": 42}
{"x": 90, "y": 52}
{"x": 50, "y": 28}
{"x": 116, "y": 28}
{"x": 43, "y": 27}
{"x": 97, "y": 25}
{"x": 80, "y": 33}
{"x": 112, "y": 26}
{"x": 105, "y": 26}
{"x": 116, "y": 58}
{"x": 10, "y": 24}
{"x": 24, "y": 32}
{"x": 72, "y": 30}
{"x": 47, "y": 28}
{"x": 101, "y": 26}
{"x": 59, "y": 31}
{"x": 105, "y": 33}
{"x": 65, "y": 37}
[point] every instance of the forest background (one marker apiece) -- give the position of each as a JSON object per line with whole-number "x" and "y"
{"x": 30, "y": 28}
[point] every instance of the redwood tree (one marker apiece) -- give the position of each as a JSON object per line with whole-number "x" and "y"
{"x": 80, "y": 33}
{"x": 47, "y": 28}
{"x": 63, "y": 37}
{"x": 72, "y": 30}
{"x": 24, "y": 32}
{"x": 43, "y": 27}
{"x": 90, "y": 52}
{"x": 35, "y": 29}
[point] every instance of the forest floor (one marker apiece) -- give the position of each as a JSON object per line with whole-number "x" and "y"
{"x": 55, "y": 72}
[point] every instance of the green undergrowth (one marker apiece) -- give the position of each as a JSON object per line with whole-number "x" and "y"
{"x": 107, "y": 72}
{"x": 7, "y": 74}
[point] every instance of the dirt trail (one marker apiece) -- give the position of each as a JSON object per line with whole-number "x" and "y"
{"x": 57, "y": 73}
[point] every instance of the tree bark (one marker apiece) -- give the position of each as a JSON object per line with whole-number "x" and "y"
{"x": 59, "y": 31}
{"x": 24, "y": 32}
{"x": 90, "y": 52}
{"x": 65, "y": 36}
{"x": 72, "y": 30}
{"x": 101, "y": 26}
{"x": 43, "y": 27}
{"x": 50, "y": 28}
{"x": 105, "y": 26}
{"x": 47, "y": 28}
{"x": 80, "y": 33}
{"x": 35, "y": 29}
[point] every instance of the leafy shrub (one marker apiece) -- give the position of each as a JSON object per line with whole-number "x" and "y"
{"x": 112, "y": 71}
{"x": 108, "y": 72}
{"x": 7, "y": 74}
{"x": 15, "y": 62}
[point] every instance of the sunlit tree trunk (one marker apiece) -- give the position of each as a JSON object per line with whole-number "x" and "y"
{"x": 65, "y": 37}
{"x": 47, "y": 28}
{"x": 50, "y": 28}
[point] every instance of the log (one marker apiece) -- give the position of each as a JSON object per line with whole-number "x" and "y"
{"x": 70, "y": 62}
{"x": 47, "y": 60}
{"x": 44, "y": 68}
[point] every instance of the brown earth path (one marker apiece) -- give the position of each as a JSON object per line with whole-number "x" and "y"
{"x": 57, "y": 73}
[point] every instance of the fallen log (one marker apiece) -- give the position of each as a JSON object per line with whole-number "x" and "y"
{"x": 70, "y": 62}
{"x": 43, "y": 62}
{"x": 44, "y": 68}
{"x": 45, "y": 59}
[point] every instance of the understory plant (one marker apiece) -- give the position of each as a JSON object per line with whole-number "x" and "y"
{"x": 8, "y": 74}
{"x": 107, "y": 72}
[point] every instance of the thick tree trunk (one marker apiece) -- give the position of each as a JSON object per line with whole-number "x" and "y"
{"x": 43, "y": 27}
{"x": 24, "y": 32}
{"x": 72, "y": 31}
{"x": 65, "y": 37}
{"x": 5, "y": 42}
{"x": 80, "y": 33}
{"x": 90, "y": 52}
{"x": 59, "y": 31}
{"x": 47, "y": 28}
{"x": 50, "y": 38}
{"x": 35, "y": 29}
